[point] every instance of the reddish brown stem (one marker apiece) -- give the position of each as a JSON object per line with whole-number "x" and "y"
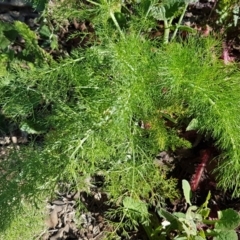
{"x": 205, "y": 156}
{"x": 225, "y": 54}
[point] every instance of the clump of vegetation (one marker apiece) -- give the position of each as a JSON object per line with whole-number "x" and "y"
{"x": 107, "y": 108}
{"x": 193, "y": 223}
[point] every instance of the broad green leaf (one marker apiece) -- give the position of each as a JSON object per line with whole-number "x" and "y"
{"x": 204, "y": 212}
{"x": 159, "y": 13}
{"x": 205, "y": 204}
{"x": 175, "y": 223}
{"x": 167, "y": 215}
{"x": 134, "y": 204}
{"x": 121, "y": 19}
{"x": 228, "y": 219}
{"x": 145, "y": 5}
{"x": 11, "y": 34}
{"x": 38, "y": 5}
{"x": 189, "y": 226}
{"x": 201, "y": 234}
{"x": 193, "y": 125}
{"x": 54, "y": 42}
{"x": 45, "y": 31}
{"x": 186, "y": 191}
{"x": 226, "y": 235}
{"x": 155, "y": 227}
{"x": 135, "y": 209}
{"x": 191, "y": 213}
{"x": 179, "y": 214}
{"x": 173, "y": 7}
{"x": 167, "y": 9}
{"x": 4, "y": 42}
{"x": 32, "y": 128}
{"x": 7, "y": 34}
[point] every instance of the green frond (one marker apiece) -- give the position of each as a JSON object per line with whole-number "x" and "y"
{"x": 193, "y": 77}
{"x": 31, "y": 43}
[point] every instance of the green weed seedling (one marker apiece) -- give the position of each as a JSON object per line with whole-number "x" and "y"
{"x": 194, "y": 224}
{"x": 167, "y": 11}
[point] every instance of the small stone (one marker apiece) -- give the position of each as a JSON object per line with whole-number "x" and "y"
{"x": 98, "y": 196}
{"x": 54, "y": 219}
{"x": 187, "y": 23}
{"x": 19, "y": 3}
{"x": 82, "y": 232}
{"x": 90, "y": 228}
{"x": 14, "y": 14}
{"x": 101, "y": 225}
{"x": 45, "y": 236}
{"x": 30, "y": 22}
{"x": 14, "y": 139}
{"x": 96, "y": 231}
{"x": 188, "y": 14}
{"x": 6, "y": 17}
{"x": 89, "y": 235}
{"x": 4, "y": 140}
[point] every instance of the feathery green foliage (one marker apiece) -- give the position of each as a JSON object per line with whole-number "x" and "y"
{"x": 210, "y": 93}
{"x": 99, "y": 96}
{"x": 98, "y": 99}
{"x": 94, "y": 107}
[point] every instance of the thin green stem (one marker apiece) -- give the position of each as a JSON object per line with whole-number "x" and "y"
{"x": 179, "y": 22}
{"x": 209, "y": 222}
{"x": 145, "y": 17}
{"x": 63, "y": 65}
{"x": 116, "y": 24}
{"x": 166, "y": 32}
{"x": 94, "y": 3}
